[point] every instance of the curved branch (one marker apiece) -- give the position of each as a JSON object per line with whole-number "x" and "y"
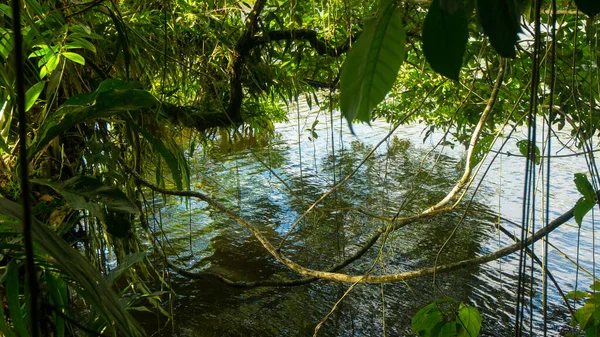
{"x": 340, "y": 277}
{"x": 474, "y": 139}
{"x": 319, "y": 45}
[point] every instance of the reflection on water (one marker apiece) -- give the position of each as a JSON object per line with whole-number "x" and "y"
{"x": 402, "y": 176}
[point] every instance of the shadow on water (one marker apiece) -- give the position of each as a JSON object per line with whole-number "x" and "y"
{"x": 399, "y": 173}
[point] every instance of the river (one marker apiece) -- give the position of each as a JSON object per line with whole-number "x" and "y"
{"x": 403, "y": 176}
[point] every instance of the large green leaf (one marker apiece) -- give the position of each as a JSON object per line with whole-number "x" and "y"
{"x": 372, "y": 64}
{"x": 469, "y": 320}
{"x": 589, "y": 7}
{"x": 584, "y": 187}
{"x": 32, "y": 94}
{"x": 84, "y": 192}
{"x": 445, "y": 35}
{"x": 105, "y": 104}
{"x": 582, "y": 207}
{"x": 500, "y": 22}
{"x": 90, "y": 285}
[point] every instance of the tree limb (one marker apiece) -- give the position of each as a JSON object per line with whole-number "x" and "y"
{"x": 340, "y": 277}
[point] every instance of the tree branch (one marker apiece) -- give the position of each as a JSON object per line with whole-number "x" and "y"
{"x": 319, "y": 45}
{"x": 340, "y": 277}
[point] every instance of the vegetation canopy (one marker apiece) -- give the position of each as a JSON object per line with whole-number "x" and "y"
{"x": 104, "y": 105}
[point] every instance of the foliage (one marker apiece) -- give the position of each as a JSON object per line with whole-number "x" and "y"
{"x": 447, "y": 318}
{"x": 587, "y": 317}
{"x": 111, "y": 87}
{"x": 589, "y": 199}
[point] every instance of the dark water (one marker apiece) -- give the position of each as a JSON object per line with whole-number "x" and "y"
{"x": 403, "y": 176}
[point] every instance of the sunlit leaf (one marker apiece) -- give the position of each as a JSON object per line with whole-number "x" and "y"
{"x": 372, "y": 65}
{"x": 500, "y": 22}
{"x": 80, "y": 43}
{"x": 32, "y": 94}
{"x": 582, "y": 207}
{"x": 49, "y": 67}
{"x": 584, "y": 187}
{"x": 577, "y": 294}
{"x": 469, "y": 320}
{"x": 74, "y": 57}
{"x": 589, "y": 7}
{"x": 445, "y": 35}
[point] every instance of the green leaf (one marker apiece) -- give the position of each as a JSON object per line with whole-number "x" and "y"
{"x": 80, "y": 43}
{"x": 430, "y": 318}
{"x": 106, "y": 104}
{"x": 582, "y": 207}
{"x": 469, "y": 320}
{"x": 577, "y": 294}
{"x": 500, "y": 22}
{"x": 170, "y": 158}
{"x": 585, "y": 187}
{"x": 524, "y": 146}
{"x": 589, "y": 7}
{"x": 12, "y": 299}
{"x": 126, "y": 263}
{"x": 74, "y": 57}
{"x": 445, "y": 35}
{"x": 372, "y": 65}
{"x": 32, "y": 94}
{"x": 50, "y": 65}
{"x": 91, "y": 286}
{"x": 82, "y": 191}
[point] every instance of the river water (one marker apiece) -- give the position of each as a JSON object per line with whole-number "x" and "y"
{"x": 403, "y": 176}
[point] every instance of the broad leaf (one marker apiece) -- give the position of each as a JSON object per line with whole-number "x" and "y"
{"x": 445, "y": 35}
{"x": 585, "y": 187}
{"x": 91, "y": 286}
{"x": 372, "y": 65}
{"x": 524, "y": 146}
{"x": 105, "y": 104}
{"x": 74, "y": 57}
{"x": 577, "y": 294}
{"x": 80, "y": 43}
{"x": 589, "y": 7}
{"x": 469, "y": 320}
{"x": 50, "y": 65}
{"x": 500, "y": 22}
{"x": 582, "y": 207}
{"x": 82, "y": 191}
{"x": 32, "y": 94}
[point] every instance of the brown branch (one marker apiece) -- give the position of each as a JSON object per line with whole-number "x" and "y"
{"x": 340, "y": 277}
{"x": 319, "y": 45}
{"x": 241, "y": 51}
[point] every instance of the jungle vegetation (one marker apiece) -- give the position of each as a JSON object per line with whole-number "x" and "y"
{"x": 98, "y": 99}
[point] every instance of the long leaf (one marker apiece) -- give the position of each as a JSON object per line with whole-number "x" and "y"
{"x": 127, "y": 262}
{"x": 107, "y": 104}
{"x": 81, "y": 191}
{"x": 12, "y": 298}
{"x": 372, "y": 64}
{"x": 164, "y": 152}
{"x": 94, "y": 288}
{"x": 445, "y": 35}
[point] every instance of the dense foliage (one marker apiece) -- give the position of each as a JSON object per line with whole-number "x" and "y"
{"x": 115, "y": 89}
